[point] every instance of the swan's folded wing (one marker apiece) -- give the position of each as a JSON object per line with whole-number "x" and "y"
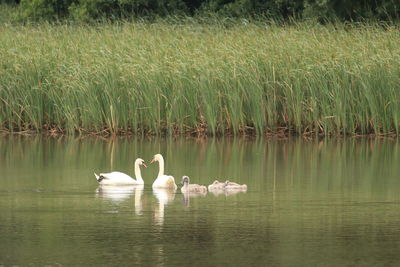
{"x": 171, "y": 181}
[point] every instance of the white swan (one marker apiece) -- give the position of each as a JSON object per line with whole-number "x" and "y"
{"x": 162, "y": 180}
{"x": 192, "y": 188}
{"x": 119, "y": 178}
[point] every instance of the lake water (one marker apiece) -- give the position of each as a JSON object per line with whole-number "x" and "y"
{"x": 308, "y": 203}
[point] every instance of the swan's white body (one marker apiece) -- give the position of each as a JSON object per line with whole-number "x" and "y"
{"x": 162, "y": 180}
{"x": 120, "y": 178}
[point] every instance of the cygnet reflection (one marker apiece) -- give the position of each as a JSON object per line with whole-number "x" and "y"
{"x": 164, "y": 197}
{"x": 227, "y": 191}
{"x": 188, "y": 195}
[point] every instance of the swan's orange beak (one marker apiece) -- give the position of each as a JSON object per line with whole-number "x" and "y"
{"x": 144, "y": 165}
{"x": 152, "y": 160}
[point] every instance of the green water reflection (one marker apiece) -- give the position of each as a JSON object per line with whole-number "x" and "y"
{"x": 320, "y": 203}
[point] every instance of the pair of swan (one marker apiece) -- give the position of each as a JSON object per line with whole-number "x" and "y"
{"x": 119, "y": 178}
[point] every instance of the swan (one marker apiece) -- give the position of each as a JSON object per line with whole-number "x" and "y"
{"x": 119, "y": 178}
{"x": 192, "y": 188}
{"x": 216, "y": 185}
{"x": 162, "y": 180}
{"x": 234, "y": 186}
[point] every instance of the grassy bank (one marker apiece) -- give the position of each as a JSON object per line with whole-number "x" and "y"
{"x": 195, "y": 78}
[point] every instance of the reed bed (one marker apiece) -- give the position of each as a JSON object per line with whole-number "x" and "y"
{"x": 190, "y": 78}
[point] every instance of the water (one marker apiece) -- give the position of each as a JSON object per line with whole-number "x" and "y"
{"x": 309, "y": 203}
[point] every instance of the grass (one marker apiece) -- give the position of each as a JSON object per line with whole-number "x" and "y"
{"x": 196, "y": 78}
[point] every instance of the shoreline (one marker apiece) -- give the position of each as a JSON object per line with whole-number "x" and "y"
{"x": 282, "y": 133}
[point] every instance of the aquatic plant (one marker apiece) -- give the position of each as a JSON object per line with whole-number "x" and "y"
{"x": 195, "y": 78}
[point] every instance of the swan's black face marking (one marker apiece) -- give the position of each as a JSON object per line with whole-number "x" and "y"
{"x": 101, "y": 178}
{"x": 140, "y": 162}
{"x": 185, "y": 180}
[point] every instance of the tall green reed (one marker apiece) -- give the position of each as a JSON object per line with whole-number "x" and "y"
{"x": 165, "y": 78}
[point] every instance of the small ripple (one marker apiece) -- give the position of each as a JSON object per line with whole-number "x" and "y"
{"x": 110, "y": 211}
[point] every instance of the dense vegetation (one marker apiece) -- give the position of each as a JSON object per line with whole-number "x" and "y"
{"x": 87, "y": 10}
{"x": 192, "y": 77}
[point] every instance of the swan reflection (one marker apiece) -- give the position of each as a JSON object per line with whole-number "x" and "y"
{"x": 164, "y": 197}
{"x": 121, "y": 193}
{"x": 138, "y": 199}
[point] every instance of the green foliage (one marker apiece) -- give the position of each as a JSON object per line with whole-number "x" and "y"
{"x": 9, "y": 2}
{"x": 115, "y": 9}
{"x": 8, "y": 13}
{"x": 45, "y": 9}
{"x": 352, "y": 10}
{"x": 248, "y": 8}
{"x": 97, "y": 9}
{"x": 164, "y": 78}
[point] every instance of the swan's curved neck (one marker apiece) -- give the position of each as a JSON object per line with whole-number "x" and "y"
{"x": 138, "y": 174}
{"x": 185, "y": 186}
{"x": 161, "y": 171}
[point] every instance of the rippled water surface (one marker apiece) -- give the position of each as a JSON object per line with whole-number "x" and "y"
{"x": 308, "y": 203}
